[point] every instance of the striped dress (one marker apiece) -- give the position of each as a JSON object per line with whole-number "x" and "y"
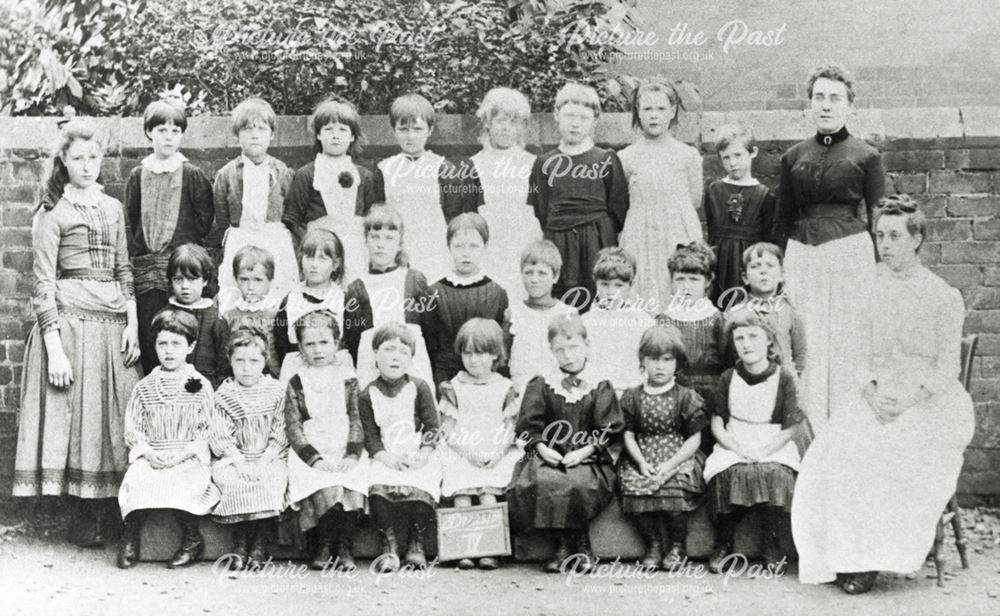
{"x": 249, "y": 425}
{"x": 165, "y": 417}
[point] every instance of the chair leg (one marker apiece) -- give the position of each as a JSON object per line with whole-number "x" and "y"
{"x": 938, "y": 545}
{"x": 961, "y": 543}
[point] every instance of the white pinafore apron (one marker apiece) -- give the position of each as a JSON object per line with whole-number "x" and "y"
{"x": 750, "y": 409}
{"x": 327, "y": 430}
{"x": 396, "y": 421}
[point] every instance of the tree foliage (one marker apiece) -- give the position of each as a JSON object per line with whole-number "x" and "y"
{"x": 114, "y": 56}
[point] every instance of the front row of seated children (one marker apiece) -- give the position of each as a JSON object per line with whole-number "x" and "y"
{"x": 377, "y": 450}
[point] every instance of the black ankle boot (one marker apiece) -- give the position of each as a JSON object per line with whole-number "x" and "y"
{"x": 725, "y": 533}
{"x": 561, "y": 552}
{"x": 587, "y": 560}
{"x": 388, "y": 561}
{"x": 192, "y": 543}
{"x": 677, "y": 529}
{"x": 322, "y": 555}
{"x": 648, "y": 526}
{"x": 239, "y": 559}
{"x": 128, "y": 550}
{"x": 415, "y": 556}
{"x": 347, "y": 522}
{"x": 87, "y": 530}
{"x": 774, "y": 557}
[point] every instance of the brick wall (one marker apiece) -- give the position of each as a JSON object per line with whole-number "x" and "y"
{"x": 904, "y": 53}
{"x": 948, "y": 158}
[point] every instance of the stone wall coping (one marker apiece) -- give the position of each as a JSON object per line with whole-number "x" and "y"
{"x": 971, "y": 125}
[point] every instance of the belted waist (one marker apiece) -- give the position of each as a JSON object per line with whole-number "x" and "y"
{"x": 830, "y": 210}
{"x": 87, "y": 273}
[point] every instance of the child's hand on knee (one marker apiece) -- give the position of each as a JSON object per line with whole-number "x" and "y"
{"x": 548, "y": 455}
{"x": 392, "y": 461}
{"x": 346, "y": 464}
{"x": 324, "y": 465}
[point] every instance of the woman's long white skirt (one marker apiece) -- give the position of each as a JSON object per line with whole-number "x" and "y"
{"x": 830, "y": 286}
{"x": 868, "y": 496}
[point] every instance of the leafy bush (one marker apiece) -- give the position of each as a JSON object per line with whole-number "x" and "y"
{"x": 114, "y": 56}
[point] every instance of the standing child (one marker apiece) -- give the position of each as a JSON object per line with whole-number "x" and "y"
{"x": 248, "y": 436}
{"x": 739, "y": 210}
{"x": 754, "y": 462}
{"x": 333, "y": 192}
{"x": 328, "y": 475}
{"x": 579, "y": 192}
{"x": 390, "y": 292}
{"x": 401, "y": 431}
{"x": 168, "y": 202}
{"x": 503, "y": 167}
{"x": 321, "y": 259}
{"x": 665, "y": 188}
{"x": 479, "y": 408}
{"x": 189, "y": 270}
{"x": 253, "y": 270}
{"x": 250, "y": 193}
{"x": 764, "y": 275}
{"x": 427, "y": 189}
{"x": 81, "y": 353}
{"x": 167, "y": 432}
{"x": 702, "y": 326}
{"x": 617, "y": 320}
{"x": 570, "y": 477}
{"x": 466, "y": 293}
{"x": 661, "y": 476}
{"x": 527, "y": 322}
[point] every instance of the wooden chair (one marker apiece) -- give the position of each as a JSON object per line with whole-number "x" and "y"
{"x": 952, "y": 513}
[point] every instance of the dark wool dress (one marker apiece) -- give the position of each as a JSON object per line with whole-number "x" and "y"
{"x": 453, "y": 305}
{"x": 737, "y": 217}
{"x": 209, "y": 357}
{"x": 581, "y": 202}
{"x": 565, "y": 417}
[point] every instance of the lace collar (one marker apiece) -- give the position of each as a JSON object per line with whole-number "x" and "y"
{"x": 575, "y": 150}
{"x": 465, "y": 281}
{"x": 156, "y": 164}
{"x": 572, "y": 387}
{"x": 90, "y": 196}
{"x": 662, "y": 389}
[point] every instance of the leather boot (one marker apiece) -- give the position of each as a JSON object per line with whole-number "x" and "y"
{"x": 587, "y": 559}
{"x": 90, "y": 523}
{"x": 561, "y": 552}
{"x": 415, "y": 556}
{"x": 263, "y": 531}
{"x": 192, "y": 543}
{"x": 677, "y": 529}
{"x": 649, "y": 529}
{"x": 348, "y": 521}
{"x": 388, "y": 561}
{"x": 239, "y": 553}
{"x": 128, "y": 550}
{"x": 323, "y": 549}
{"x": 774, "y": 557}
{"x": 725, "y": 533}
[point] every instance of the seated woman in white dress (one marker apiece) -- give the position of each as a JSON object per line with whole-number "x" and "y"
{"x": 872, "y": 486}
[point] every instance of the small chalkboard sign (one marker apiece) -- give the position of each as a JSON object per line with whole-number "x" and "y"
{"x": 471, "y": 532}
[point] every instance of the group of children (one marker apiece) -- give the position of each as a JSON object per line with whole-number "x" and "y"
{"x": 391, "y": 393}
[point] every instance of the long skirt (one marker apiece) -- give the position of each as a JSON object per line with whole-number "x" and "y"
{"x": 830, "y": 286}
{"x": 242, "y": 500}
{"x": 868, "y": 496}
{"x": 70, "y": 441}
{"x": 543, "y": 496}
{"x": 313, "y": 492}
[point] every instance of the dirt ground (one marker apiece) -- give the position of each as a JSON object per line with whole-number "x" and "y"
{"x": 40, "y": 573}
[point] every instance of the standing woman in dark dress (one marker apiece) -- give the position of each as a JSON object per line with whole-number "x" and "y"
{"x": 830, "y": 253}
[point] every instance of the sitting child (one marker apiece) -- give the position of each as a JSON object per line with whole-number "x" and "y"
{"x": 570, "y": 476}
{"x": 479, "y": 408}
{"x": 167, "y": 431}
{"x": 401, "y": 430}
{"x": 754, "y": 462}
{"x": 248, "y": 436}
